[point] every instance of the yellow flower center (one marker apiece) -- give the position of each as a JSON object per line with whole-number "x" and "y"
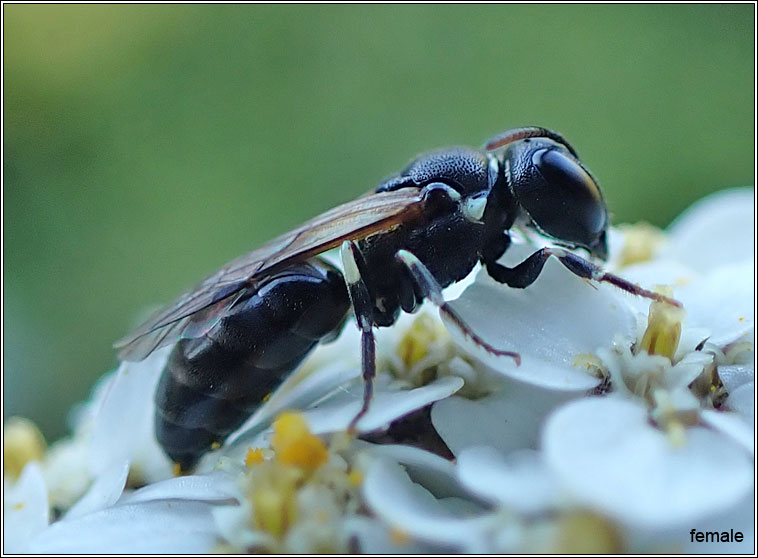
{"x": 414, "y": 345}
{"x": 583, "y": 532}
{"x": 22, "y": 443}
{"x": 641, "y": 241}
{"x": 294, "y": 444}
{"x": 280, "y": 479}
{"x": 274, "y": 497}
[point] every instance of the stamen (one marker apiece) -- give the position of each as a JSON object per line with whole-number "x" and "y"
{"x": 274, "y": 498}
{"x": 254, "y": 456}
{"x": 671, "y": 419}
{"x": 664, "y": 327}
{"x": 295, "y": 445}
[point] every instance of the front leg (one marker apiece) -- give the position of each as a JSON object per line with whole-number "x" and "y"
{"x": 526, "y": 273}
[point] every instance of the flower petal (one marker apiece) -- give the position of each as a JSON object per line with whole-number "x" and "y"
{"x": 104, "y": 492}
{"x": 214, "y": 487}
{"x": 736, "y": 375}
{"x": 722, "y": 301}
{"x": 410, "y": 508}
{"x": 684, "y": 372}
{"x": 25, "y": 509}
{"x": 742, "y": 400}
{"x": 174, "y": 527}
{"x": 550, "y": 324}
{"x": 717, "y": 230}
{"x": 335, "y": 413}
{"x": 115, "y": 439}
{"x": 433, "y": 472}
{"x": 731, "y": 425}
{"x": 67, "y": 471}
{"x": 608, "y": 455}
{"x": 375, "y": 538}
{"x": 507, "y": 420}
{"x": 389, "y": 403}
{"x": 520, "y": 482}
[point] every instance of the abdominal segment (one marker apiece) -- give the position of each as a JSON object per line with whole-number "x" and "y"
{"x": 213, "y": 383}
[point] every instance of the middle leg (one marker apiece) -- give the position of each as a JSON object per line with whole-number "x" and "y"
{"x": 430, "y": 289}
{"x": 362, "y": 308}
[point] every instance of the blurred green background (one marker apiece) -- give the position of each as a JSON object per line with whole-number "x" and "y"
{"x": 146, "y": 145}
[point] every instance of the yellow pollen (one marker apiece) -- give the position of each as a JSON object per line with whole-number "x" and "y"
{"x": 741, "y": 319}
{"x": 274, "y": 496}
{"x": 582, "y": 532}
{"x": 398, "y": 536}
{"x": 267, "y": 396}
{"x": 18, "y": 506}
{"x": 22, "y": 443}
{"x": 355, "y": 478}
{"x": 414, "y": 345}
{"x": 664, "y": 327}
{"x": 254, "y": 456}
{"x": 177, "y": 470}
{"x": 641, "y": 241}
{"x": 295, "y": 445}
{"x": 274, "y": 510}
{"x": 215, "y": 445}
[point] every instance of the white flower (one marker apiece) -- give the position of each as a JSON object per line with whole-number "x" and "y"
{"x": 25, "y": 509}
{"x": 178, "y": 525}
{"x": 111, "y": 517}
{"x": 411, "y": 509}
{"x": 624, "y": 426}
{"x": 739, "y": 383}
{"x": 123, "y": 424}
{"x": 521, "y": 482}
{"x": 652, "y": 441}
{"x": 508, "y": 419}
{"x": 609, "y": 456}
{"x": 717, "y": 231}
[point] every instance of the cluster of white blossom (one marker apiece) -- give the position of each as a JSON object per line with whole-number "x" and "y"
{"x": 626, "y": 425}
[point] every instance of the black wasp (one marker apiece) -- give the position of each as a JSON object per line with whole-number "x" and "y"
{"x": 244, "y": 329}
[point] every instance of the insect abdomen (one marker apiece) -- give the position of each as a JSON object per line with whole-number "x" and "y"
{"x": 213, "y": 383}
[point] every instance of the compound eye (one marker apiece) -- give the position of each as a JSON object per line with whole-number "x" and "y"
{"x": 570, "y": 206}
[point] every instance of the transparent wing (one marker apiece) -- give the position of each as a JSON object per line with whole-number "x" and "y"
{"x": 191, "y": 326}
{"x": 218, "y": 292}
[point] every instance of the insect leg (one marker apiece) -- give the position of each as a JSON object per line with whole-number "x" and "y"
{"x": 525, "y": 273}
{"x": 429, "y": 288}
{"x": 362, "y": 307}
